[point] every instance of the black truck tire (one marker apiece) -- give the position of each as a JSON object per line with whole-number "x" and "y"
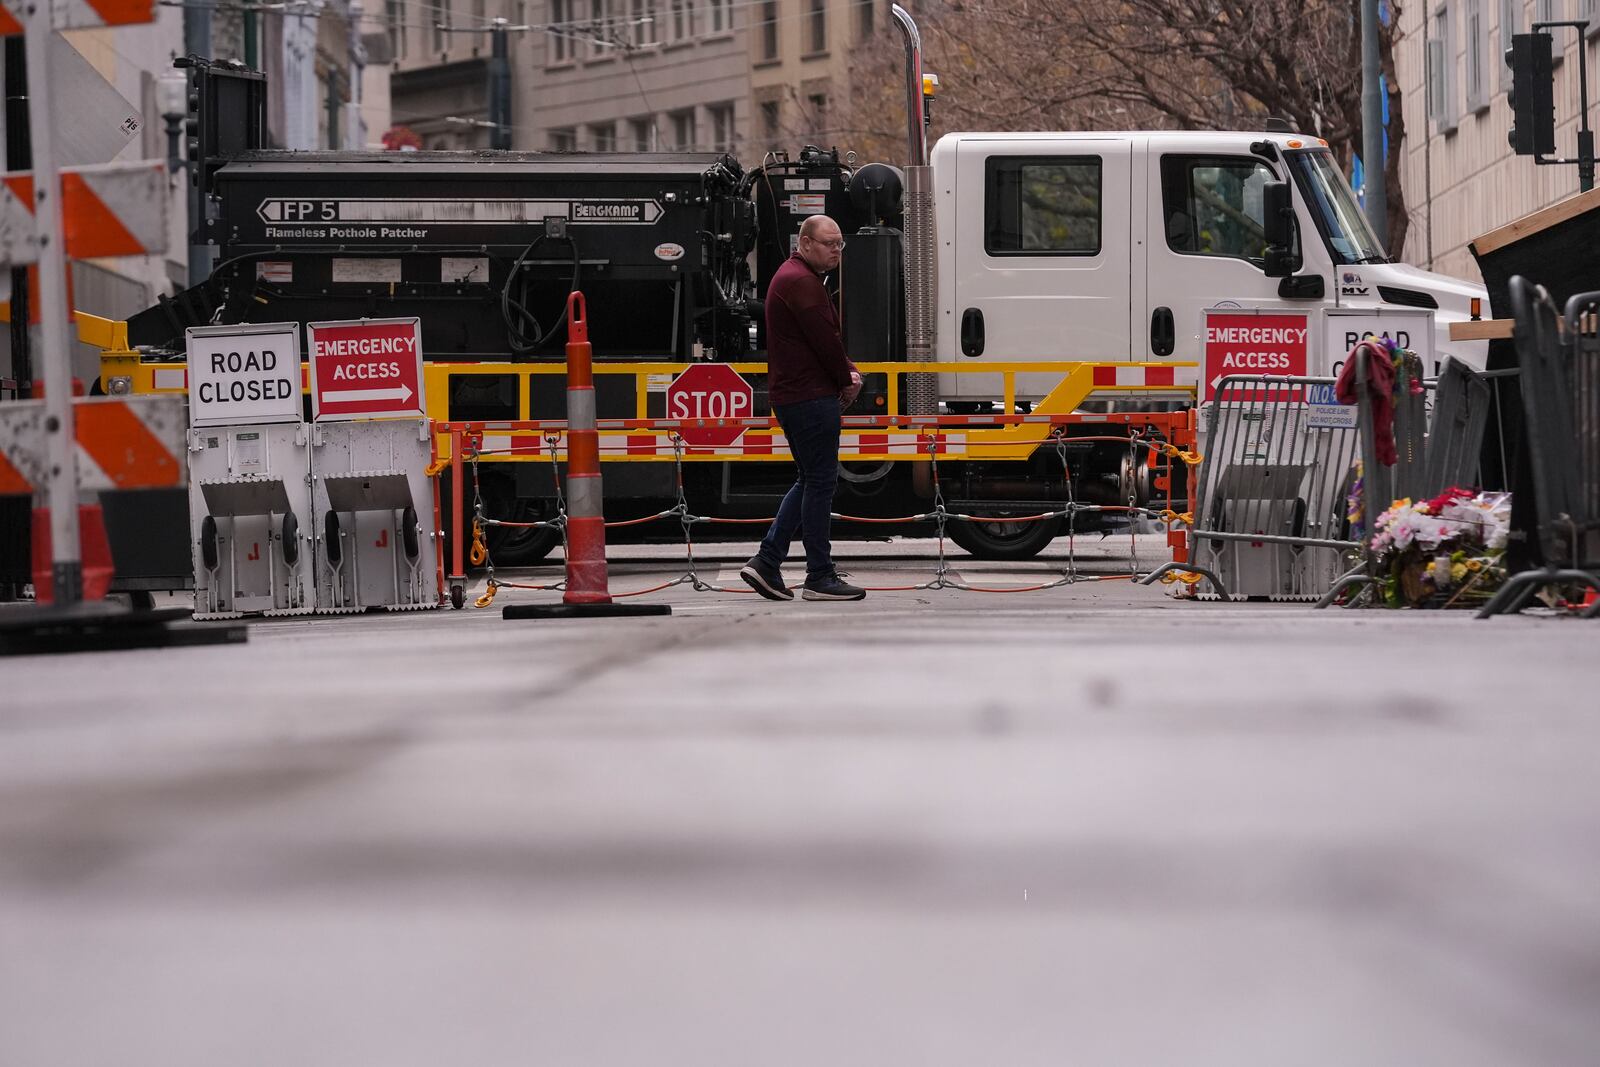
{"x": 1004, "y": 541}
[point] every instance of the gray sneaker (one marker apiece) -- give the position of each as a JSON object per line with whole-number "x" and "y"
{"x": 831, "y": 586}
{"x": 768, "y": 581}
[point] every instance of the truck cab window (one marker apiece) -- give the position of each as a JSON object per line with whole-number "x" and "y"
{"x": 1213, "y": 206}
{"x": 1042, "y": 206}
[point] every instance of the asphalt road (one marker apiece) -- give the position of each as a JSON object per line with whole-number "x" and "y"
{"x": 1089, "y": 825}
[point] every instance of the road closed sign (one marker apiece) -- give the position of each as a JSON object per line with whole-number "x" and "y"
{"x": 1255, "y": 343}
{"x": 367, "y": 368}
{"x": 242, "y": 375}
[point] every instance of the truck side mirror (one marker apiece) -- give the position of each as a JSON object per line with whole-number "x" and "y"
{"x": 1278, "y": 222}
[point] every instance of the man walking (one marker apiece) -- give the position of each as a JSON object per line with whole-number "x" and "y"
{"x": 810, "y": 381}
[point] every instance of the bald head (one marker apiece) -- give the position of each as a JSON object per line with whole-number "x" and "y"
{"x": 820, "y": 243}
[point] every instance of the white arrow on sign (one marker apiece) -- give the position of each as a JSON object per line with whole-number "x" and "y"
{"x": 356, "y": 396}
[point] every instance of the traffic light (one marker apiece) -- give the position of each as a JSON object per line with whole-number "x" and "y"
{"x": 1532, "y": 95}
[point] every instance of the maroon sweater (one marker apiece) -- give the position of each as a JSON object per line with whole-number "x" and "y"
{"x": 805, "y": 357}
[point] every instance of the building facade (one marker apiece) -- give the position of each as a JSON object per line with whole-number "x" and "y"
{"x": 1460, "y": 175}
{"x": 800, "y": 68}
{"x": 440, "y": 77}
{"x": 639, "y": 75}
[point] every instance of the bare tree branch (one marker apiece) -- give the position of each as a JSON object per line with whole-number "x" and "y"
{"x": 1134, "y": 64}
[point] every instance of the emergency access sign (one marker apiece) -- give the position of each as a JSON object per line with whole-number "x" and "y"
{"x": 366, "y": 368}
{"x": 1247, "y": 342}
{"x": 243, "y": 375}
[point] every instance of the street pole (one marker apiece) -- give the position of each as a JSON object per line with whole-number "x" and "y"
{"x": 1372, "y": 134}
{"x": 499, "y": 88}
{"x": 197, "y": 42}
{"x": 61, "y": 447}
{"x": 18, "y": 157}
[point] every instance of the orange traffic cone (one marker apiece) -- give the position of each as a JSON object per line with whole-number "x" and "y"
{"x": 587, "y": 592}
{"x": 95, "y": 552}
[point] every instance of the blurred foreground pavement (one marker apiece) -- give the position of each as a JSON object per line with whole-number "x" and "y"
{"x": 1090, "y": 825}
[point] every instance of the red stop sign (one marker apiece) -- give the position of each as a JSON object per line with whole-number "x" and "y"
{"x": 712, "y": 400}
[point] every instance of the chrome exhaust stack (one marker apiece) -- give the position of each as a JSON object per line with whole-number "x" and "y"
{"x": 922, "y": 396}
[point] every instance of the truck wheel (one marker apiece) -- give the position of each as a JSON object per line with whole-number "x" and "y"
{"x": 1004, "y": 540}
{"x": 513, "y": 546}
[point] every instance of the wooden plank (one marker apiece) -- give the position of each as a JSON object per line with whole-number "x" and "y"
{"x": 1481, "y": 330}
{"x": 1542, "y": 219}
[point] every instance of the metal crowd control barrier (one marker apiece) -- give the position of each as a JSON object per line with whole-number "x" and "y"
{"x": 1438, "y": 434}
{"x": 1270, "y": 515}
{"x": 1561, "y": 404}
{"x": 1166, "y": 437}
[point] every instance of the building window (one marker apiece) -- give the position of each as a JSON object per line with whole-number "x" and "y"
{"x": 521, "y": 12}
{"x": 680, "y": 20}
{"x": 1510, "y": 19}
{"x": 564, "y": 140}
{"x": 1586, "y": 13}
{"x": 441, "y": 22}
{"x": 817, "y": 27}
{"x": 769, "y": 29}
{"x": 771, "y": 120}
{"x": 396, "y": 11}
{"x": 602, "y": 29}
{"x": 643, "y": 23}
{"x": 560, "y": 31}
{"x": 1441, "y": 71}
{"x": 721, "y": 116}
{"x": 817, "y": 104}
{"x": 719, "y": 16}
{"x": 640, "y": 130}
{"x": 866, "y": 18}
{"x": 683, "y": 130}
{"x": 603, "y": 137}
{"x": 1042, "y": 206}
{"x": 1477, "y": 41}
{"x": 479, "y": 15}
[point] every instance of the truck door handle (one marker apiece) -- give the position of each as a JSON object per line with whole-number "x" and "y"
{"x": 972, "y": 332}
{"x": 1163, "y": 333}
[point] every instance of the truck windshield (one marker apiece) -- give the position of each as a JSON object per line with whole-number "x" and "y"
{"x": 1328, "y": 195}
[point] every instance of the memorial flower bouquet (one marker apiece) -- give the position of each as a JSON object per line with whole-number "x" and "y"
{"x": 1444, "y": 551}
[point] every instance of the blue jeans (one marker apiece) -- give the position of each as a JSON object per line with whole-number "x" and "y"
{"x": 812, "y": 430}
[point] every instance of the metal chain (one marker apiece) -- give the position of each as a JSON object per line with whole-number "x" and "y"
{"x": 479, "y": 519}
{"x": 686, "y": 520}
{"x": 940, "y": 516}
{"x": 1070, "y": 573}
{"x": 552, "y": 442}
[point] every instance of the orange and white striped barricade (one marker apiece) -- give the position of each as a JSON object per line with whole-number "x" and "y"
{"x": 586, "y": 593}
{"x": 249, "y": 461}
{"x": 122, "y": 444}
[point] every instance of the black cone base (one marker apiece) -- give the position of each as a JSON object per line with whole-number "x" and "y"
{"x": 582, "y": 611}
{"x": 32, "y": 630}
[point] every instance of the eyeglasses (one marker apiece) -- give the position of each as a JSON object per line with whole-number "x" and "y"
{"x": 837, "y": 246}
